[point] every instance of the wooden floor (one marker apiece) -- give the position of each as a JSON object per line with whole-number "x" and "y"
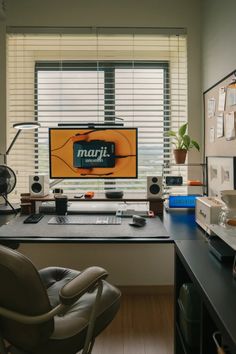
{"x": 144, "y": 325}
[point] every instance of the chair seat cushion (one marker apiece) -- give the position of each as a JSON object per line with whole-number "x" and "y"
{"x": 70, "y": 327}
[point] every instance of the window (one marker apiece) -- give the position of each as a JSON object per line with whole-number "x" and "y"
{"x": 140, "y": 79}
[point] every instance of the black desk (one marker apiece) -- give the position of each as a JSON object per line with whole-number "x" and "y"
{"x": 179, "y": 226}
{"x": 217, "y": 289}
{"x": 16, "y": 230}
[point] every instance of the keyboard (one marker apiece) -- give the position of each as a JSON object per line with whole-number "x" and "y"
{"x": 85, "y": 220}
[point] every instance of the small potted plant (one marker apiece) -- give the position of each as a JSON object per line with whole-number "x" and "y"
{"x": 182, "y": 142}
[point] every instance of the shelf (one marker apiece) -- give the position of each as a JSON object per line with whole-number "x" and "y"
{"x": 191, "y": 188}
{"x": 156, "y": 204}
{"x": 184, "y": 164}
{"x": 187, "y": 185}
{"x": 98, "y": 196}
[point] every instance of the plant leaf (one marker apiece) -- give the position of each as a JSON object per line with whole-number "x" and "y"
{"x": 195, "y": 144}
{"x": 186, "y": 141}
{"x": 180, "y": 143}
{"x": 182, "y": 129}
{"x": 170, "y": 133}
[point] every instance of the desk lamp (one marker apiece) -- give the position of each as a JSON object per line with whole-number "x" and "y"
{"x": 7, "y": 207}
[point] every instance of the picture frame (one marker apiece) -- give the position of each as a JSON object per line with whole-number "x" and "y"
{"x": 221, "y": 174}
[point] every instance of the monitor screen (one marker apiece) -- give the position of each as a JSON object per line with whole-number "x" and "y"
{"x": 93, "y": 152}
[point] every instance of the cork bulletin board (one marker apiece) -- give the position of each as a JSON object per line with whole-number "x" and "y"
{"x": 220, "y": 117}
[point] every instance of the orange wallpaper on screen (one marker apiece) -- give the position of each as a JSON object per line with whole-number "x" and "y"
{"x": 61, "y": 153}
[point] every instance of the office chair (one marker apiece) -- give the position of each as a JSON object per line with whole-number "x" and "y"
{"x": 54, "y": 310}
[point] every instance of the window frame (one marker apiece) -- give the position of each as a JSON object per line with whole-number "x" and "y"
{"x": 105, "y": 66}
{"x": 109, "y": 67}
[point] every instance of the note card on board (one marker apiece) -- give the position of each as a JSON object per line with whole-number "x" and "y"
{"x": 220, "y": 125}
{"x": 230, "y": 125}
{"x": 221, "y": 102}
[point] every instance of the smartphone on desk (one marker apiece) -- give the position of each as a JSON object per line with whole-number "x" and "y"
{"x": 33, "y": 219}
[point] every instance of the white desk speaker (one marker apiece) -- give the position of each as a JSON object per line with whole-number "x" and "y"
{"x": 39, "y": 185}
{"x": 154, "y": 187}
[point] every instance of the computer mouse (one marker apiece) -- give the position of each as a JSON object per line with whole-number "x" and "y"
{"x": 138, "y": 221}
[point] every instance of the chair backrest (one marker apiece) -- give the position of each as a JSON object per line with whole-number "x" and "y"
{"x": 22, "y": 291}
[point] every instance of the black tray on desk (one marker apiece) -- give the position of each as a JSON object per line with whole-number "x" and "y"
{"x": 221, "y": 250}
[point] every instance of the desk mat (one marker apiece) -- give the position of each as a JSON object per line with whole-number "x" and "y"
{"x": 154, "y": 228}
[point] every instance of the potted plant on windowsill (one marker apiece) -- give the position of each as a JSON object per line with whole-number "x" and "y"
{"x": 183, "y": 143}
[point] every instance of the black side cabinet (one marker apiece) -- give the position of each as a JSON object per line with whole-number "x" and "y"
{"x": 216, "y": 288}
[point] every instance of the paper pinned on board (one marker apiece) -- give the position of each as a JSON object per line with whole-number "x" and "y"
{"x": 222, "y": 96}
{"x": 230, "y": 125}
{"x": 211, "y": 107}
{"x": 219, "y": 125}
{"x": 212, "y": 135}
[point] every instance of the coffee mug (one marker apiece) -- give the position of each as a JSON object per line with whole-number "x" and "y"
{"x": 61, "y": 204}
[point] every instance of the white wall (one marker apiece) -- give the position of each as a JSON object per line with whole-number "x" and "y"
{"x": 129, "y": 264}
{"x": 146, "y": 264}
{"x": 218, "y": 40}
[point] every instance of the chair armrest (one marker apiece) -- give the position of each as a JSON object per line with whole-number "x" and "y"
{"x": 34, "y": 319}
{"x": 70, "y": 293}
{"x": 81, "y": 284}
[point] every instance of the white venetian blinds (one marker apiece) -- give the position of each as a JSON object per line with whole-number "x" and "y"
{"x": 141, "y": 78}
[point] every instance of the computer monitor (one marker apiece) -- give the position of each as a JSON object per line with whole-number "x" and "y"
{"x": 97, "y": 152}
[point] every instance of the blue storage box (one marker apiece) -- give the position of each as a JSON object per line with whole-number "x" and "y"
{"x": 183, "y": 201}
